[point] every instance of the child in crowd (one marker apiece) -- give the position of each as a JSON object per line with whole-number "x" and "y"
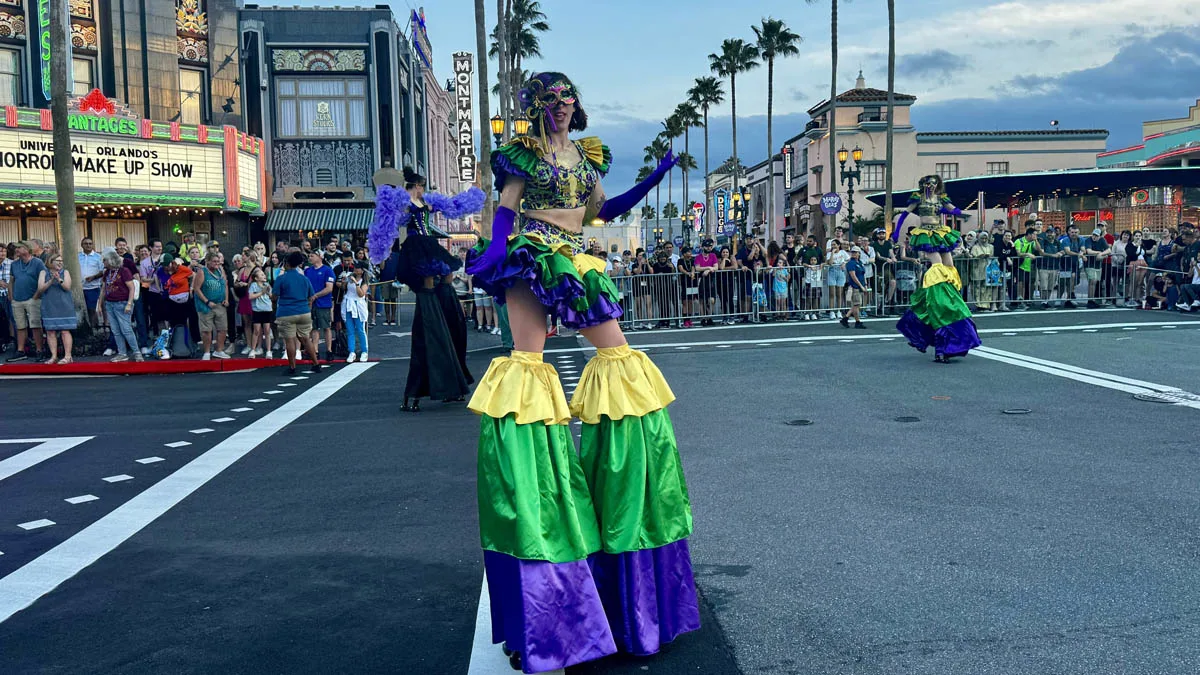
{"x": 782, "y": 275}
{"x": 812, "y": 288}
{"x": 262, "y": 314}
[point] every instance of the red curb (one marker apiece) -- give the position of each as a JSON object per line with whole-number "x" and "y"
{"x": 149, "y": 367}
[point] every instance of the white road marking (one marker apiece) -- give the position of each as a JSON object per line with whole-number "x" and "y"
{"x": 81, "y": 499}
{"x": 118, "y": 479}
{"x": 35, "y": 524}
{"x": 240, "y": 409}
{"x": 488, "y": 658}
{"x": 1090, "y": 330}
{"x": 1130, "y": 328}
{"x": 808, "y": 339}
{"x": 149, "y": 460}
{"x": 1049, "y": 332}
{"x": 24, "y": 586}
{"x": 765, "y": 344}
{"x": 300, "y": 377}
{"x": 201, "y": 431}
{"x": 571, "y": 377}
{"x": 286, "y": 384}
{"x": 273, "y": 392}
{"x": 44, "y": 450}
{"x": 259, "y": 400}
{"x": 177, "y": 444}
{"x": 1170, "y": 326}
{"x": 222, "y": 420}
{"x": 683, "y": 347}
{"x": 1098, "y": 378}
{"x": 724, "y": 346}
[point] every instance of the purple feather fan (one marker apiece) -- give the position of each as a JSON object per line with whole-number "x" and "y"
{"x": 461, "y": 204}
{"x": 391, "y": 204}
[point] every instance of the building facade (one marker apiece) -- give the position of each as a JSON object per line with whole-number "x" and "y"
{"x": 149, "y": 81}
{"x": 811, "y": 166}
{"x": 1169, "y": 142}
{"x": 336, "y": 94}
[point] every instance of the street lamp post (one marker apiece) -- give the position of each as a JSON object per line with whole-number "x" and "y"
{"x": 849, "y": 176}
{"x": 497, "y": 125}
{"x": 687, "y": 231}
{"x": 521, "y": 125}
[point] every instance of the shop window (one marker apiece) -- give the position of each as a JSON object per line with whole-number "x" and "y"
{"x": 10, "y": 77}
{"x": 192, "y": 97}
{"x": 947, "y": 171}
{"x": 321, "y": 107}
{"x": 872, "y": 176}
{"x": 83, "y": 71}
{"x": 997, "y": 168}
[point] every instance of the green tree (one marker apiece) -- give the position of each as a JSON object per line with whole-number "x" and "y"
{"x": 672, "y": 128}
{"x": 704, "y": 94}
{"x": 864, "y": 226}
{"x": 688, "y": 117}
{"x": 727, "y": 167}
{"x": 484, "y": 170}
{"x": 737, "y": 56}
{"x": 774, "y": 40}
{"x": 670, "y": 211}
{"x": 525, "y": 20}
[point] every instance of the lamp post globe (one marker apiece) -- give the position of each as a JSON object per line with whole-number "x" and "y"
{"x": 497, "y": 124}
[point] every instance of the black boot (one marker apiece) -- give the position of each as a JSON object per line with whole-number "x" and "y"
{"x": 414, "y": 406}
{"x": 941, "y": 358}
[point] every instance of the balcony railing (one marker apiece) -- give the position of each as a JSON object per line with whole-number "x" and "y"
{"x": 872, "y": 116}
{"x": 332, "y": 163}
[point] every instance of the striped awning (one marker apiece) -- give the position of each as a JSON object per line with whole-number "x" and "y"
{"x": 327, "y": 220}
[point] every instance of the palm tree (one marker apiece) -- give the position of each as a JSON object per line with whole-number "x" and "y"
{"x": 891, "y": 108}
{"x": 705, "y": 93}
{"x": 774, "y": 39}
{"x": 688, "y": 117}
{"x": 737, "y": 56}
{"x": 671, "y": 129}
{"x": 833, "y": 39}
{"x": 484, "y": 171}
{"x": 501, "y": 49}
{"x": 525, "y": 21}
{"x": 654, "y": 153}
{"x": 686, "y": 164}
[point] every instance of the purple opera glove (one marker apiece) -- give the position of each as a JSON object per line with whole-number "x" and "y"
{"x": 955, "y": 211}
{"x": 622, "y": 203}
{"x": 899, "y": 225}
{"x": 502, "y": 227}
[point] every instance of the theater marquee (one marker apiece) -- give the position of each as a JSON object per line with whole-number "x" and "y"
{"x": 121, "y": 159}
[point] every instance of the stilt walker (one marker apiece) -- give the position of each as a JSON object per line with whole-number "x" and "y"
{"x": 435, "y": 368}
{"x": 583, "y": 556}
{"x": 939, "y": 316}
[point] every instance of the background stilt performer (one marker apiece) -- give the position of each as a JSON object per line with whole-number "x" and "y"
{"x": 938, "y": 316}
{"x": 436, "y": 368}
{"x": 544, "y": 511}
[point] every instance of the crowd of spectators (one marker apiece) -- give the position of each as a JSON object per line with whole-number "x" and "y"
{"x": 1032, "y": 266}
{"x": 155, "y": 297}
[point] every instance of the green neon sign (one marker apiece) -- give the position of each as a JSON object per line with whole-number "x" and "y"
{"x": 118, "y": 126}
{"x": 44, "y": 43}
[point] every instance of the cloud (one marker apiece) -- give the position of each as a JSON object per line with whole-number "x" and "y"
{"x": 797, "y": 94}
{"x": 938, "y": 64}
{"x": 608, "y": 106}
{"x": 1160, "y": 67}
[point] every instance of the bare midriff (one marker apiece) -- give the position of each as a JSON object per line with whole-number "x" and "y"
{"x": 570, "y": 220}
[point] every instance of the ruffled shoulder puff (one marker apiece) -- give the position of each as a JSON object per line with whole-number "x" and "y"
{"x": 518, "y": 157}
{"x": 596, "y": 153}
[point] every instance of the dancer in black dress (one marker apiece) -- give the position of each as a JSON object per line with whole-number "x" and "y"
{"x": 436, "y": 368}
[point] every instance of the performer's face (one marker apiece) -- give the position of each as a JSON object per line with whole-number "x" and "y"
{"x": 561, "y": 114}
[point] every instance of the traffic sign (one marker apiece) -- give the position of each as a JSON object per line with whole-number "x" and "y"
{"x": 831, "y": 203}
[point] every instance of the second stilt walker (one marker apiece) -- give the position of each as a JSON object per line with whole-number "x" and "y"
{"x": 585, "y": 554}
{"x": 939, "y": 317}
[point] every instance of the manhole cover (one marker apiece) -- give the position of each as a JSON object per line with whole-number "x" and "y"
{"x": 1017, "y": 411}
{"x": 799, "y": 423}
{"x": 908, "y": 419}
{"x": 1168, "y": 397}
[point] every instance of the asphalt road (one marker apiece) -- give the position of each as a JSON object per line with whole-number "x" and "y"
{"x": 911, "y": 526}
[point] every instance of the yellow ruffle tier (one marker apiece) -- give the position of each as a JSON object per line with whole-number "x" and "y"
{"x": 619, "y": 381}
{"x": 942, "y": 273}
{"x": 524, "y": 385}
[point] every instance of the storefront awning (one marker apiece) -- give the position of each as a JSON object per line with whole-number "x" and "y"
{"x": 1014, "y": 189}
{"x": 326, "y": 220}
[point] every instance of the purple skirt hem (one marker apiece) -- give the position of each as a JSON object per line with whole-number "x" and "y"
{"x": 549, "y": 612}
{"x": 648, "y": 595}
{"x": 955, "y": 339}
{"x": 521, "y": 265}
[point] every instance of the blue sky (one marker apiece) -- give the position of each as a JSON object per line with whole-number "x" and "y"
{"x": 973, "y": 64}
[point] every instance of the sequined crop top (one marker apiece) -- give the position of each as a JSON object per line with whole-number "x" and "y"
{"x": 419, "y": 218}
{"x": 548, "y": 186}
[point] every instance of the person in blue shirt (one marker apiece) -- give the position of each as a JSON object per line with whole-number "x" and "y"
{"x": 322, "y": 278}
{"x": 855, "y": 287}
{"x": 293, "y": 295}
{"x": 1072, "y": 261}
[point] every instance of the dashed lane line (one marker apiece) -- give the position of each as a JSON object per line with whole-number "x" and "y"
{"x": 22, "y": 587}
{"x": 118, "y": 479}
{"x": 240, "y": 410}
{"x": 35, "y": 524}
{"x": 273, "y": 392}
{"x": 177, "y": 444}
{"x": 223, "y": 420}
{"x": 204, "y": 430}
{"x": 258, "y": 400}
{"x": 81, "y": 499}
{"x": 149, "y": 460}
{"x": 286, "y": 384}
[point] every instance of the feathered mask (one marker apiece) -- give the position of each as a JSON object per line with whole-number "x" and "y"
{"x": 541, "y": 95}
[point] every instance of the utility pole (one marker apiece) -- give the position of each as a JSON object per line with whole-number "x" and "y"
{"x": 64, "y": 169}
